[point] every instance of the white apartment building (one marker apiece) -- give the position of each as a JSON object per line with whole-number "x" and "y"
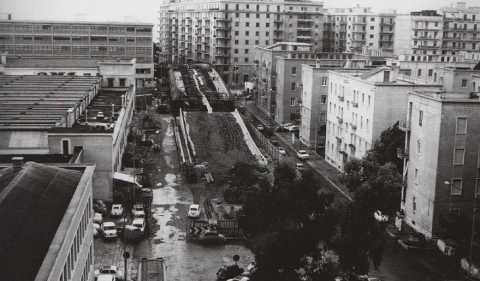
{"x": 81, "y": 40}
{"x": 442, "y": 155}
{"x": 224, "y": 33}
{"x": 354, "y": 29}
{"x": 361, "y": 105}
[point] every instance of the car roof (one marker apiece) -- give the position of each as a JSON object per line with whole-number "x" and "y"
{"x": 302, "y": 151}
{"x": 109, "y": 223}
{"x": 194, "y": 206}
{"x": 105, "y": 277}
{"x": 138, "y": 220}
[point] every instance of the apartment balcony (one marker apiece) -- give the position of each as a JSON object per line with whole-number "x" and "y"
{"x": 404, "y": 125}
{"x": 340, "y": 120}
{"x": 341, "y": 98}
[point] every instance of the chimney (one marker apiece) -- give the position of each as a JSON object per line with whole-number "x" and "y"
{"x": 17, "y": 163}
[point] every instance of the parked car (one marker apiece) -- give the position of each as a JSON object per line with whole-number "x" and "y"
{"x": 100, "y": 116}
{"x": 299, "y": 166}
{"x": 139, "y": 215}
{"x": 109, "y": 230}
{"x": 282, "y": 151}
{"x": 109, "y": 270}
{"x": 194, "y": 211}
{"x": 260, "y": 127}
{"x": 139, "y": 223}
{"x": 293, "y": 128}
{"x": 117, "y": 210}
{"x": 98, "y": 218}
{"x": 302, "y": 154}
{"x": 138, "y": 209}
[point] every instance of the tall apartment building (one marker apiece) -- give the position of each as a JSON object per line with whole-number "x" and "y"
{"x": 357, "y": 28}
{"x": 361, "y": 105}
{"x": 442, "y": 156}
{"x": 224, "y": 33}
{"x": 461, "y": 29}
{"x": 80, "y": 40}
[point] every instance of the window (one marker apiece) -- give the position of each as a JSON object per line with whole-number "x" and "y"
{"x": 459, "y": 155}
{"x": 323, "y": 99}
{"x": 294, "y": 70}
{"x": 236, "y": 42}
{"x": 420, "y": 118}
{"x": 245, "y": 60}
{"x": 292, "y": 101}
{"x": 416, "y": 176}
{"x": 267, "y": 24}
{"x": 430, "y": 72}
{"x": 65, "y": 146}
{"x": 235, "y": 51}
{"x": 237, "y": 24}
{"x": 257, "y": 33}
{"x": 236, "y": 33}
{"x": 247, "y": 24}
{"x": 247, "y": 33}
{"x": 414, "y": 205}
{"x": 477, "y": 188}
{"x": 247, "y": 42}
{"x": 246, "y": 51}
{"x": 292, "y": 86}
{"x": 419, "y": 147}
{"x": 464, "y": 83}
{"x": 456, "y": 187}
{"x": 461, "y": 126}
{"x": 247, "y": 15}
{"x": 419, "y": 72}
{"x": 122, "y": 82}
{"x": 324, "y": 81}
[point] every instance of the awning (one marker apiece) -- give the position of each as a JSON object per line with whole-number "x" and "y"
{"x": 126, "y": 178}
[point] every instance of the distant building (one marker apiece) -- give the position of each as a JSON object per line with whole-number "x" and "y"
{"x": 356, "y": 28}
{"x": 442, "y": 156}
{"x": 47, "y": 213}
{"x": 361, "y": 105}
{"x": 81, "y": 40}
{"x": 224, "y": 33}
{"x": 314, "y": 101}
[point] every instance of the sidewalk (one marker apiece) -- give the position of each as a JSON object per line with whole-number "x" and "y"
{"x": 317, "y": 163}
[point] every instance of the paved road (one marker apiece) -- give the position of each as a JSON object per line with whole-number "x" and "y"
{"x": 172, "y": 196}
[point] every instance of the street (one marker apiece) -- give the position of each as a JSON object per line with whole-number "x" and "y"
{"x": 171, "y": 199}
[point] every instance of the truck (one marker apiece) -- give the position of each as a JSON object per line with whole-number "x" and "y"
{"x": 151, "y": 269}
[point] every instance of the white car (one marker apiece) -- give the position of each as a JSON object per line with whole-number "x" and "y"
{"x": 109, "y": 230}
{"x": 137, "y": 210}
{"x": 106, "y": 277}
{"x": 299, "y": 166}
{"x": 98, "y": 218}
{"x": 111, "y": 271}
{"x": 117, "y": 210}
{"x": 302, "y": 154}
{"x": 139, "y": 223}
{"x": 194, "y": 211}
{"x": 260, "y": 127}
{"x": 282, "y": 151}
{"x": 100, "y": 115}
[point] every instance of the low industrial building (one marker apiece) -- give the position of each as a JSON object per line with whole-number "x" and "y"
{"x": 361, "y": 105}
{"x": 441, "y": 158}
{"x": 58, "y": 114}
{"x": 48, "y": 211}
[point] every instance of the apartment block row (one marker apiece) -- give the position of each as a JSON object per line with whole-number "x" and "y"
{"x": 80, "y": 40}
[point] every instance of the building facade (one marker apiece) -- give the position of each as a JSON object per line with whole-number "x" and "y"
{"x": 441, "y": 171}
{"x": 315, "y": 100}
{"x": 361, "y": 105}
{"x": 353, "y": 29}
{"x": 224, "y": 33}
{"x": 85, "y": 40}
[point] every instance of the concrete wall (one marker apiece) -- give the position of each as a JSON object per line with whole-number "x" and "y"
{"x": 97, "y": 148}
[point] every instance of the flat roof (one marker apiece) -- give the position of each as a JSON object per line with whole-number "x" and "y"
{"x": 85, "y": 22}
{"x": 39, "y": 102}
{"x": 50, "y": 63}
{"x": 33, "y": 203}
{"x": 448, "y": 97}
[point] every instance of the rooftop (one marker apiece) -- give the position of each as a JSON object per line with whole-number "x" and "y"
{"x": 76, "y": 22}
{"x": 50, "y": 63}
{"x": 33, "y": 202}
{"x": 40, "y": 102}
{"x": 449, "y": 97}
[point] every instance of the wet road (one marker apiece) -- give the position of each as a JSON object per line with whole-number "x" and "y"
{"x": 171, "y": 198}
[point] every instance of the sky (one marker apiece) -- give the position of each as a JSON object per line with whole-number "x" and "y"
{"x": 147, "y": 10}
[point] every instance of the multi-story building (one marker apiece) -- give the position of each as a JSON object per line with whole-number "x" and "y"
{"x": 314, "y": 101}
{"x": 50, "y": 237}
{"x": 361, "y": 105}
{"x": 81, "y": 40}
{"x": 442, "y": 156}
{"x": 419, "y": 34}
{"x": 224, "y": 33}
{"x": 461, "y": 27}
{"x": 354, "y": 29}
